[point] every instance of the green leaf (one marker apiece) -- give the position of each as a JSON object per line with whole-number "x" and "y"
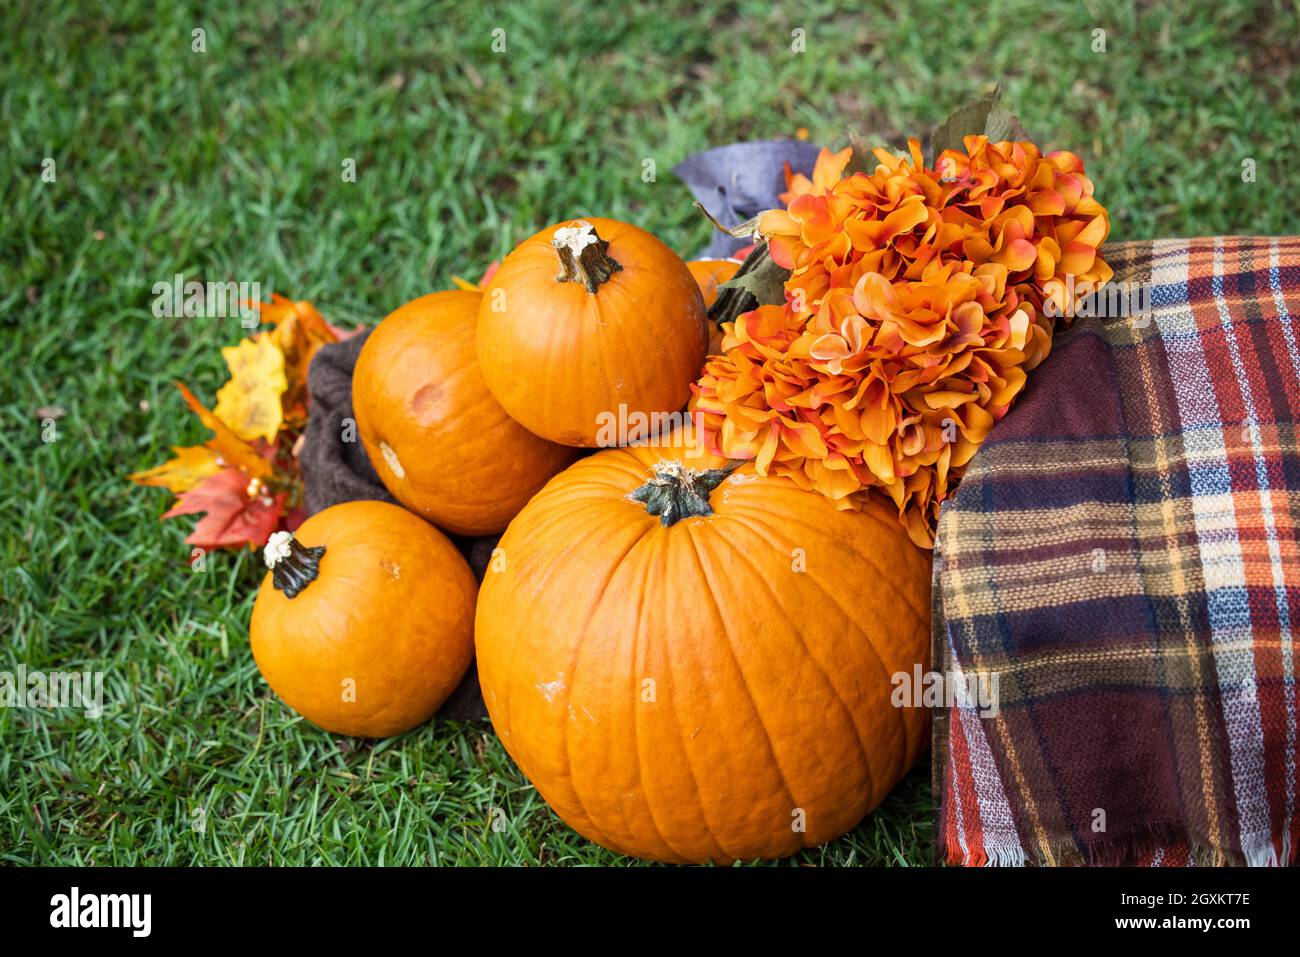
{"x": 765, "y": 281}
{"x": 862, "y": 160}
{"x": 758, "y": 282}
{"x": 985, "y": 116}
{"x": 1003, "y": 125}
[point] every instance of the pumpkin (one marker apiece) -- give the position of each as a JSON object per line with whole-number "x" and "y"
{"x": 364, "y": 623}
{"x": 441, "y": 444}
{"x": 694, "y": 664}
{"x": 587, "y": 322}
{"x": 709, "y": 275}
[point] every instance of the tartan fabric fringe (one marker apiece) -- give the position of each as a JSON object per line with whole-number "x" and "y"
{"x": 1122, "y": 556}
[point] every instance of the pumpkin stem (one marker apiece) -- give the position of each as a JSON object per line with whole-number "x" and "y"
{"x": 677, "y": 492}
{"x": 293, "y": 566}
{"x": 583, "y": 255}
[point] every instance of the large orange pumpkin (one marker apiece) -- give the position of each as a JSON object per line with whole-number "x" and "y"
{"x": 587, "y": 320}
{"x": 694, "y": 666}
{"x": 364, "y": 624}
{"x": 441, "y": 444}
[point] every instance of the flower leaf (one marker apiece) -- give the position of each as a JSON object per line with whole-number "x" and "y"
{"x": 985, "y": 116}
{"x": 1003, "y": 125}
{"x": 759, "y": 282}
{"x": 863, "y": 160}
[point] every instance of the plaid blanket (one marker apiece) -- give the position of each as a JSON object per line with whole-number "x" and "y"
{"x": 1120, "y": 566}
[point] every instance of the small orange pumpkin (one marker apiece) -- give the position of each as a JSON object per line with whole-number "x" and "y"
{"x": 364, "y": 624}
{"x": 441, "y": 444}
{"x": 709, "y": 275}
{"x": 692, "y": 664}
{"x": 589, "y": 320}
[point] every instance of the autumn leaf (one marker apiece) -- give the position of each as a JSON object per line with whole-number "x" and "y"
{"x": 295, "y": 517}
{"x": 467, "y": 286}
{"x": 232, "y": 449}
{"x": 232, "y": 518}
{"x": 250, "y": 402}
{"x": 299, "y": 332}
{"x": 298, "y": 348}
{"x": 281, "y": 308}
{"x": 191, "y": 466}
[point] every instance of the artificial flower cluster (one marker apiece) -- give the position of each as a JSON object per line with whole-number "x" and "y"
{"x": 914, "y": 310}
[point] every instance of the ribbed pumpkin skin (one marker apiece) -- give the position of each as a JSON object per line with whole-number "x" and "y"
{"x": 392, "y": 609}
{"x": 771, "y": 687}
{"x": 417, "y": 389}
{"x": 557, "y": 357}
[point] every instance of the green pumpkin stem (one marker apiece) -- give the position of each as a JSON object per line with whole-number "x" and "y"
{"x": 676, "y": 492}
{"x": 293, "y": 565}
{"x": 584, "y": 256}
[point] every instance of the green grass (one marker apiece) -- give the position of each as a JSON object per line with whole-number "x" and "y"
{"x": 226, "y": 165}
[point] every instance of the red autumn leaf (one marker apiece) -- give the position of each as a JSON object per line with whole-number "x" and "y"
{"x": 294, "y": 517}
{"x": 233, "y": 519}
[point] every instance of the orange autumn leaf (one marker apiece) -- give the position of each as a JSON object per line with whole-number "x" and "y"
{"x": 281, "y": 308}
{"x": 298, "y": 348}
{"x": 300, "y": 331}
{"x": 317, "y": 328}
{"x": 250, "y": 402}
{"x": 232, "y": 449}
{"x": 191, "y": 466}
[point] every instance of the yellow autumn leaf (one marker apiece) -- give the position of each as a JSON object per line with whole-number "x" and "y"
{"x": 230, "y": 448}
{"x": 191, "y": 466}
{"x": 250, "y": 402}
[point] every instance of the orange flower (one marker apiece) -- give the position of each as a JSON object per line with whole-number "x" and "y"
{"x": 914, "y": 310}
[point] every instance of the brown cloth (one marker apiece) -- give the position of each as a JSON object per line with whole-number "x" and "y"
{"x": 335, "y": 470}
